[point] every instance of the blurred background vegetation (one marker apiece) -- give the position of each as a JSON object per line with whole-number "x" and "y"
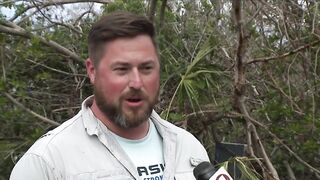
{"x": 232, "y": 71}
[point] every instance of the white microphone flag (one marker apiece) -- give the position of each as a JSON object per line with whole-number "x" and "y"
{"x": 221, "y": 174}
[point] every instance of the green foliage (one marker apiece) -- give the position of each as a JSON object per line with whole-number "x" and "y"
{"x": 7, "y": 4}
{"x": 276, "y": 109}
{"x": 134, "y": 6}
{"x": 245, "y": 167}
{"x": 19, "y": 8}
{"x": 174, "y": 117}
{"x": 189, "y": 86}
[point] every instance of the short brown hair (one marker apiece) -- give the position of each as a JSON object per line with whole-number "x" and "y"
{"x": 117, "y": 25}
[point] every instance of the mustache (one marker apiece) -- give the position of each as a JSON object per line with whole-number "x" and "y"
{"x": 135, "y": 94}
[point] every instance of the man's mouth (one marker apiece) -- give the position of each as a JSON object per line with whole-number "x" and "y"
{"x": 134, "y": 100}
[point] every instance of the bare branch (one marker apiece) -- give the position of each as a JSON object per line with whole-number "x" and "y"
{"x": 289, "y": 170}
{"x": 66, "y": 108}
{"x": 288, "y": 149}
{"x": 261, "y": 148}
{"x": 18, "y": 31}
{"x": 26, "y": 18}
{"x": 55, "y": 22}
{"x": 4, "y": 76}
{"x": 239, "y": 90}
{"x": 55, "y": 3}
{"x": 56, "y": 70}
{"x": 12, "y": 30}
{"x": 266, "y": 59}
{"x": 83, "y": 14}
{"x": 44, "y": 119}
{"x": 254, "y": 15}
{"x": 295, "y": 155}
{"x": 276, "y": 86}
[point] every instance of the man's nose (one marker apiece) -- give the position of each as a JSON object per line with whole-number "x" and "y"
{"x": 135, "y": 79}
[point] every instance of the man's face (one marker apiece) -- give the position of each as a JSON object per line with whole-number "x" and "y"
{"x": 126, "y": 81}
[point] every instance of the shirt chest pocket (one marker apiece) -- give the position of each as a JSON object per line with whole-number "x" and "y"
{"x": 102, "y": 175}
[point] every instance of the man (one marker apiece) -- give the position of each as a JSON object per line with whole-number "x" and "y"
{"x": 116, "y": 135}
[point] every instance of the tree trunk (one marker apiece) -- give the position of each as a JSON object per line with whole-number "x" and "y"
{"x": 239, "y": 92}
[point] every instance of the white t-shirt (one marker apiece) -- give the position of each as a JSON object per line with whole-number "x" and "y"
{"x": 146, "y": 153}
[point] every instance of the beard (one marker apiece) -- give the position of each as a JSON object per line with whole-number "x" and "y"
{"x": 115, "y": 112}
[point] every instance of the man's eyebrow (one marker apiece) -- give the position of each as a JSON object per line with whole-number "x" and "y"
{"x": 127, "y": 64}
{"x": 149, "y": 62}
{"x": 120, "y": 64}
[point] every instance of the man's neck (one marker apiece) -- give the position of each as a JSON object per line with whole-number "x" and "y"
{"x": 128, "y": 133}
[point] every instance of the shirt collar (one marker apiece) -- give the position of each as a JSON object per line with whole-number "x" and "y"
{"x": 93, "y": 127}
{"x": 90, "y": 122}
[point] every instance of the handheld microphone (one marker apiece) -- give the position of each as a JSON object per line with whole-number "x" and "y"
{"x": 206, "y": 171}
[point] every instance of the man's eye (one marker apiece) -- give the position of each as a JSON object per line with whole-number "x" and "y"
{"x": 121, "y": 69}
{"x": 147, "y": 68}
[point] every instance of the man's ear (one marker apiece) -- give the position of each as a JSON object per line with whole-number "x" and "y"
{"x": 90, "y": 70}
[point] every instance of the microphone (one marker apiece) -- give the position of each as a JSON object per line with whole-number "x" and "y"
{"x": 206, "y": 171}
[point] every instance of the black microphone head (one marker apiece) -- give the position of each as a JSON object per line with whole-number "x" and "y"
{"x": 203, "y": 171}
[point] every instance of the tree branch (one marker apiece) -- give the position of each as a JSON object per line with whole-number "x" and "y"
{"x": 266, "y": 59}
{"x": 277, "y": 87}
{"x": 44, "y": 119}
{"x": 55, "y": 22}
{"x": 263, "y": 153}
{"x": 13, "y": 29}
{"x": 239, "y": 90}
{"x": 83, "y": 14}
{"x": 55, "y": 70}
{"x": 295, "y": 155}
{"x": 289, "y": 170}
{"x": 55, "y": 3}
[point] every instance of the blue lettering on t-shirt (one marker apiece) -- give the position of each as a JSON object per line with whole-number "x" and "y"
{"x": 152, "y": 169}
{"x": 155, "y": 171}
{"x": 154, "y": 178}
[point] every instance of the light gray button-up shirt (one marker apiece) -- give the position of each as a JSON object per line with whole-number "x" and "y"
{"x": 83, "y": 148}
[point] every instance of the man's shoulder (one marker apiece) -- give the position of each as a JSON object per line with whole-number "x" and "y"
{"x": 60, "y": 135}
{"x": 188, "y": 148}
{"x": 182, "y": 134}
